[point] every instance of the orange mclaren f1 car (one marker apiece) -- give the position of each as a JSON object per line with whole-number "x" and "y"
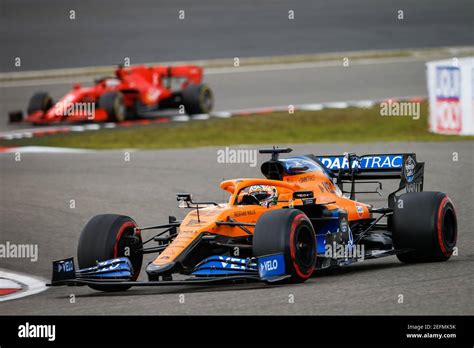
{"x": 284, "y": 227}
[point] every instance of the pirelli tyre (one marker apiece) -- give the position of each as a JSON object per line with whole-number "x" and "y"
{"x": 288, "y": 232}
{"x": 109, "y": 236}
{"x": 40, "y": 101}
{"x": 113, "y": 104}
{"x": 197, "y": 99}
{"x": 425, "y": 223}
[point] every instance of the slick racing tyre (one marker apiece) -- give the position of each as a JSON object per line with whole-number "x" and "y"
{"x": 290, "y": 232}
{"x": 40, "y": 101}
{"x": 197, "y": 99}
{"x": 106, "y": 237}
{"x": 113, "y": 104}
{"x": 426, "y": 223}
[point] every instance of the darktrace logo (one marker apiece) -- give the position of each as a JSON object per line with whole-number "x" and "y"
{"x": 410, "y": 168}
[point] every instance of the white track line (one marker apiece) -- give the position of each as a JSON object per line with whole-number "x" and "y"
{"x": 240, "y": 69}
{"x": 181, "y": 118}
{"x": 31, "y": 285}
{"x": 45, "y": 149}
{"x": 312, "y": 107}
{"x": 336, "y": 105}
{"x": 200, "y": 117}
{"x": 363, "y": 103}
{"x": 28, "y": 133}
{"x": 222, "y": 114}
{"x": 9, "y": 284}
{"x": 311, "y": 65}
{"x": 92, "y": 126}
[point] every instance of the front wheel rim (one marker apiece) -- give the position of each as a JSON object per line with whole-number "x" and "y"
{"x": 136, "y": 259}
{"x": 206, "y": 100}
{"x": 304, "y": 246}
{"x": 449, "y": 228}
{"x": 119, "y": 109}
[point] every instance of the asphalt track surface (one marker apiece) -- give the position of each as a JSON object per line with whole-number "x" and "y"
{"x": 42, "y": 34}
{"x": 253, "y": 87}
{"x": 35, "y": 196}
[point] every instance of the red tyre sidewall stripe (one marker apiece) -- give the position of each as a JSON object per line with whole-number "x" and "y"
{"x": 297, "y": 219}
{"x": 440, "y": 226}
{"x": 123, "y": 228}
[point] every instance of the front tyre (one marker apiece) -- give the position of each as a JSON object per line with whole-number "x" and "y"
{"x": 106, "y": 237}
{"x": 288, "y": 232}
{"x": 40, "y": 101}
{"x": 426, "y": 223}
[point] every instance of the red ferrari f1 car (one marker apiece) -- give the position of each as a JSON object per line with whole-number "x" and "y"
{"x": 131, "y": 93}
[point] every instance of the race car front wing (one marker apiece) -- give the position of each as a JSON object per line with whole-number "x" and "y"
{"x": 215, "y": 269}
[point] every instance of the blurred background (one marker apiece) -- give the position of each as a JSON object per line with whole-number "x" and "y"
{"x": 45, "y": 36}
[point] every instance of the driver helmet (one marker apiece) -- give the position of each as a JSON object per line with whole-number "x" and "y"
{"x": 266, "y": 195}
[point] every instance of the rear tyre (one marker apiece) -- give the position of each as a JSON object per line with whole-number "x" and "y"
{"x": 425, "y": 222}
{"x": 40, "y": 101}
{"x": 290, "y": 232}
{"x": 113, "y": 104}
{"x": 197, "y": 99}
{"x": 106, "y": 237}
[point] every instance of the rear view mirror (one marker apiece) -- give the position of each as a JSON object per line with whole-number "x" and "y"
{"x": 183, "y": 199}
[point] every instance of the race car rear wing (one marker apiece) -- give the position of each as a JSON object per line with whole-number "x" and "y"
{"x": 350, "y": 168}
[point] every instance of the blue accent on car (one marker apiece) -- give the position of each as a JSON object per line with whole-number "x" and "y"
{"x": 394, "y": 161}
{"x": 410, "y": 166}
{"x": 63, "y": 269}
{"x": 218, "y": 272}
{"x": 224, "y": 265}
{"x": 119, "y": 267}
{"x": 331, "y": 227}
{"x": 271, "y": 266}
{"x": 300, "y": 162}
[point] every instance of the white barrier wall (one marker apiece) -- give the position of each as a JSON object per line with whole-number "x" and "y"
{"x": 451, "y": 96}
